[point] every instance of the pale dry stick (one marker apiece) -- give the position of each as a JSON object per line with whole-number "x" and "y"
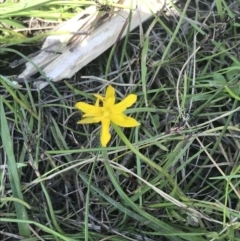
{"x": 179, "y": 79}
{"x": 29, "y": 29}
{"x": 234, "y": 139}
{"x": 193, "y": 84}
{"x": 194, "y": 73}
{"x": 30, "y": 23}
{"x": 218, "y": 134}
{"x": 35, "y": 233}
{"x": 15, "y": 236}
{"x": 188, "y": 60}
{"x": 44, "y": 177}
{"x": 210, "y": 12}
{"x": 219, "y": 117}
{"x": 212, "y": 165}
{"x": 107, "y": 81}
{"x": 208, "y": 132}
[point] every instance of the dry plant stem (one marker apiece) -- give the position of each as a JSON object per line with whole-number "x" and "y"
{"x": 219, "y": 117}
{"x": 179, "y": 79}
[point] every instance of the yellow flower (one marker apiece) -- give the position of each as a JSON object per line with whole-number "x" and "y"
{"x": 107, "y": 113}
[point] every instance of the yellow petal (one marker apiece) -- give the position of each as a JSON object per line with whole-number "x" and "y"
{"x": 124, "y": 121}
{"x": 109, "y": 102}
{"x": 88, "y": 120}
{"x": 105, "y": 135}
{"x": 97, "y": 103}
{"x": 99, "y": 97}
{"x": 110, "y": 97}
{"x": 97, "y": 113}
{"x": 110, "y": 91}
{"x": 125, "y": 103}
{"x": 86, "y": 108}
{"x": 99, "y": 118}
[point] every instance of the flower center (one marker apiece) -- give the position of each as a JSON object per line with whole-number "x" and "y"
{"x": 106, "y": 112}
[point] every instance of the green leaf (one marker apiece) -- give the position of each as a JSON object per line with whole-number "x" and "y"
{"x": 233, "y": 71}
{"x": 218, "y": 79}
{"x": 231, "y": 93}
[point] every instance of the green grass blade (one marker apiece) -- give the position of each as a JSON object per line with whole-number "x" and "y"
{"x": 13, "y": 173}
{"x": 43, "y": 227}
{"x": 163, "y": 227}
